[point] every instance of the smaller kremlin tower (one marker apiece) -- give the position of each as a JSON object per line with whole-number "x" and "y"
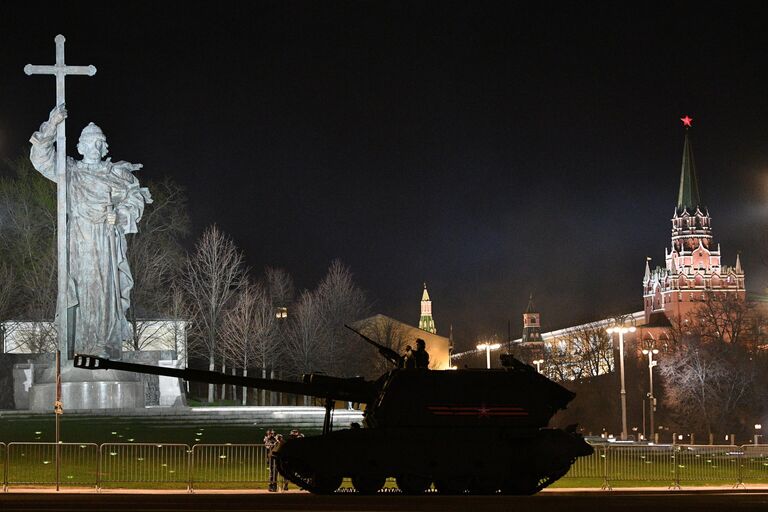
{"x": 426, "y": 322}
{"x": 531, "y": 323}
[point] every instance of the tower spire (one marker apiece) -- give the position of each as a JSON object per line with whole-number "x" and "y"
{"x": 530, "y": 308}
{"x": 688, "y": 197}
{"x": 531, "y": 323}
{"x": 426, "y": 322}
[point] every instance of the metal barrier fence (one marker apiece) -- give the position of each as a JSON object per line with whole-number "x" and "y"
{"x": 592, "y": 467}
{"x": 754, "y": 463}
{"x": 228, "y": 464}
{"x": 134, "y": 464}
{"x": 675, "y": 464}
{"x": 178, "y": 466}
{"x": 34, "y": 464}
{"x": 708, "y": 463}
{"x": 640, "y": 463}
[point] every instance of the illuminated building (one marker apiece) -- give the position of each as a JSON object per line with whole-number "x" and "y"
{"x": 693, "y": 265}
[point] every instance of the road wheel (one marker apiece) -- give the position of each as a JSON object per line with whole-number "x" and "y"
{"x": 521, "y": 485}
{"x": 368, "y": 484}
{"x": 413, "y": 484}
{"x": 484, "y": 486}
{"x": 325, "y": 483}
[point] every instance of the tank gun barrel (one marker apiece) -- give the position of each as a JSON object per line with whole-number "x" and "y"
{"x": 388, "y": 354}
{"x": 354, "y": 389}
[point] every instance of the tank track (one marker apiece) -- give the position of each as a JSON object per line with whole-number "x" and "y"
{"x": 305, "y": 481}
{"x": 550, "y": 479}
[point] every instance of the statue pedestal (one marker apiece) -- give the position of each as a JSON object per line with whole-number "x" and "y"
{"x": 86, "y": 389}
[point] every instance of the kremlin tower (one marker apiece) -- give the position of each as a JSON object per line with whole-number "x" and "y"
{"x": 426, "y": 322}
{"x": 531, "y": 323}
{"x": 693, "y": 263}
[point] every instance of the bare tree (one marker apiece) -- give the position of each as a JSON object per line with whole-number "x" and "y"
{"x": 559, "y": 363}
{"x": 154, "y": 254}
{"x": 214, "y": 274}
{"x": 29, "y": 337}
{"x": 249, "y": 330}
{"x": 180, "y": 312}
{"x": 725, "y": 318}
{"x": 592, "y": 350}
{"x": 341, "y": 302}
{"x": 152, "y": 268}
{"x": 281, "y": 292}
{"x": 279, "y": 286}
{"x": 708, "y": 385}
{"x": 27, "y": 241}
{"x": 710, "y": 371}
{"x": 6, "y": 291}
{"x": 28, "y": 256}
{"x": 168, "y": 331}
{"x": 304, "y": 347}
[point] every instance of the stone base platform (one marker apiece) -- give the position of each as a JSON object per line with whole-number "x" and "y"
{"x": 86, "y": 389}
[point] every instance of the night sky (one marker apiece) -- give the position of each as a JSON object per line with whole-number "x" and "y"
{"x": 488, "y": 150}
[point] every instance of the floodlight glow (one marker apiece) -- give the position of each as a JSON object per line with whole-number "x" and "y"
{"x": 488, "y": 347}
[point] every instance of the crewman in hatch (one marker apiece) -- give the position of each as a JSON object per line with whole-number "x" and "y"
{"x": 420, "y": 356}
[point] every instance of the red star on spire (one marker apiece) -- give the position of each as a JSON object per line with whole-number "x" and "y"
{"x": 687, "y": 121}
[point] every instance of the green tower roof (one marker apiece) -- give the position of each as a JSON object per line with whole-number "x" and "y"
{"x": 688, "y": 198}
{"x": 530, "y": 308}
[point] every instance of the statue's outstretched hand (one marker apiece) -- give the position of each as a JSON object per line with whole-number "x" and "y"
{"x": 124, "y": 166}
{"x": 58, "y": 114}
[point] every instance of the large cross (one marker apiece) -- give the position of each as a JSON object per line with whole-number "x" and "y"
{"x": 60, "y": 71}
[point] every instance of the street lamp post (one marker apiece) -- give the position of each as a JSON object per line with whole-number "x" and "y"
{"x": 488, "y": 347}
{"x": 650, "y": 352}
{"x": 538, "y": 363}
{"x": 758, "y": 427}
{"x": 621, "y": 329}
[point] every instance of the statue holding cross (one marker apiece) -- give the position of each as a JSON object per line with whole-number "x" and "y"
{"x": 99, "y": 202}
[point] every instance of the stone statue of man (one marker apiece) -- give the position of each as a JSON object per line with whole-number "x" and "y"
{"x": 105, "y": 204}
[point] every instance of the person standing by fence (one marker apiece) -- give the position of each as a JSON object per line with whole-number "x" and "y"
{"x": 270, "y": 442}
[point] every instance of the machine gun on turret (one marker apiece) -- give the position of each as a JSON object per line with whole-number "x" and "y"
{"x": 388, "y": 354}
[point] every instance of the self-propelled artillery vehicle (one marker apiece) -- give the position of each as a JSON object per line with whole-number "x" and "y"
{"x": 463, "y": 431}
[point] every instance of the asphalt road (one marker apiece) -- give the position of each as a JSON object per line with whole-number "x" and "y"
{"x": 720, "y": 501}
